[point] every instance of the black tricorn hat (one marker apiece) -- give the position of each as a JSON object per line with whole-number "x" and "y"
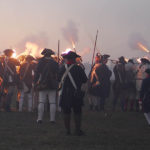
{"x": 131, "y": 61}
{"x": 105, "y": 56}
{"x": 122, "y": 59}
{"x": 70, "y": 55}
{"x": 8, "y": 51}
{"x": 47, "y": 51}
{"x": 144, "y": 60}
{"x": 147, "y": 71}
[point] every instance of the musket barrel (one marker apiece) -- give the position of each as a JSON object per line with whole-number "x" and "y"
{"x": 94, "y": 47}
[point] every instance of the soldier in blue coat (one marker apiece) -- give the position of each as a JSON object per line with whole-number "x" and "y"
{"x": 71, "y": 98}
{"x": 145, "y": 96}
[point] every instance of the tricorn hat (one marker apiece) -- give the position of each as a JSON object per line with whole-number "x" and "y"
{"x": 105, "y": 56}
{"x": 144, "y": 60}
{"x": 70, "y": 55}
{"x": 131, "y": 61}
{"x": 122, "y": 60}
{"x": 47, "y": 51}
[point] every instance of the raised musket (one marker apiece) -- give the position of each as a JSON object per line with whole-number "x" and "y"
{"x": 94, "y": 48}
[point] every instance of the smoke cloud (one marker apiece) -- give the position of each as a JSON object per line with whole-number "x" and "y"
{"x": 135, "y": 39}
{"x": 70, "y": 32}
{"x": 84, "y": 52}
{"x": 33, "y": 44}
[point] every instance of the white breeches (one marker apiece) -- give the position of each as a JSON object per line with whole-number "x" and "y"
{"x": 138, "y": 84}
{"x": 51, "y": 94}
{"x": 29, "y": 99}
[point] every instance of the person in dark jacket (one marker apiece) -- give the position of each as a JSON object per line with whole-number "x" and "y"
{"x": 145, "y": 96}
{"x": 93, "y": 96}
{"x": 10, "y": 78}
{"x": 1, "y": 70}
{"x": 104, "y": 75}
{"x": 68, "y": 100}
{"x": 45, "y": 80}
{"x": 100, "y": 81}
{"x": 131, "y": 85}
{"x": 140, "y": 75}
{"x": 26, "y": 81}
{"x": 1, "y": 84}
{"x": 119, "y": 85}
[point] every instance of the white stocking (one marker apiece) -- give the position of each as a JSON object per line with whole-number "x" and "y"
{"x": 52, "y": 112}
{"x": 147, "y": 116}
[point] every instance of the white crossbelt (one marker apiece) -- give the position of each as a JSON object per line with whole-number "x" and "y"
{"x": 8, "y": 67}
{"x": 10, "y": 70}
{"x": 66, "y": 73}
{"x": 71, "y": 78}
{"x": 63, "y": 77}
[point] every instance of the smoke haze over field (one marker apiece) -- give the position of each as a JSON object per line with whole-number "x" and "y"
{"x": 121, "y": 23}
{"x": 70, "y": 32}
{"x": 134, "y": 39}
{"x": 40, "y": 39}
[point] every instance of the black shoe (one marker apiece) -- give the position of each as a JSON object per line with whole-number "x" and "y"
{"x": 79, "y": 133}
{"x": 39, "y": 121}
{"x": 91, "y": 108}
{"x": 7, "y": 109}
{"x": 96, "y": 108}
{"x": 68, "y": 133}
{"x": 131, "y": 110}
{"x": 137, "y": 110}
{"x": 52, "y": 122}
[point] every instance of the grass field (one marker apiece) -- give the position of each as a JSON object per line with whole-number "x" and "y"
{"x": 123, "y": 131}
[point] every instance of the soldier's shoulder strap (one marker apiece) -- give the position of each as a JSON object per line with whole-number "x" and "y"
{"x": 7, "y": 66}
{"x": 71, "y": 78}
{"x": 26, "y": 69}
{"x": 66, "y": 72}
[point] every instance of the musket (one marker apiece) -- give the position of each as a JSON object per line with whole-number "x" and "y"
{"x": 114, "y": 61}
{"x": 58, "y": 61}
{"x": 92, "y": 62}
{"x": 58, "y": 51}
{"x": 94, "y": 47}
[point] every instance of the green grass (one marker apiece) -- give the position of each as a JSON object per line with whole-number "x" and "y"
{"x": 123, "y": 131}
